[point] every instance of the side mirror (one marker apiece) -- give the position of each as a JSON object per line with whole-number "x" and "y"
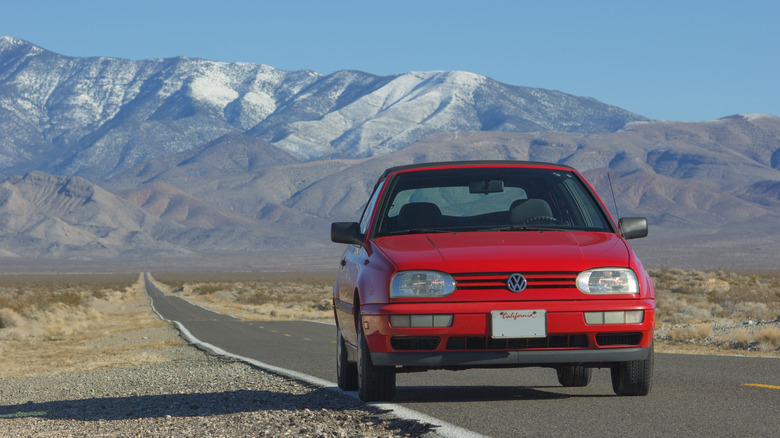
{"x": 346, "y": 232}
{"x": 633, "y": 227}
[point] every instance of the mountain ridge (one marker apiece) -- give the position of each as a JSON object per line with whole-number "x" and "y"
{"x": 95, "y": 117}
{"x": 235, "y": 164}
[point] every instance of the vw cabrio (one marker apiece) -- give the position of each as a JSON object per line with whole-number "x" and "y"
{"x": 490, "y": 264}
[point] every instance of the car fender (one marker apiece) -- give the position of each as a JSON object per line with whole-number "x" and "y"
{"x": 372, "y": 283}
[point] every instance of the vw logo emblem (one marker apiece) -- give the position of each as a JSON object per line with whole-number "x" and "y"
{"x": 516, "y": 283}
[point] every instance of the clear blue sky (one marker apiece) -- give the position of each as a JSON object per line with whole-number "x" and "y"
{"x": 672, "y": 60}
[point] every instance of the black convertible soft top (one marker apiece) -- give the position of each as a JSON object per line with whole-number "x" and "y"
{"x": 469, "y": 163}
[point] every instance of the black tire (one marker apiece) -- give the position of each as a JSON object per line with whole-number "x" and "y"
{"x": 346, "y": 372}
{"x": 634, "y": 377}
{"x": 574, "y": 375}
{"x": 374, "y": 383}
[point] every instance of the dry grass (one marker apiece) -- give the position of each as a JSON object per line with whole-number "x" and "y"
{"x": 292, "y": 296}
{"x": 717, "y": 311}
{"x": 695, "y": 332}
{"x": 769, "y": 336}
{"x": 25, "y": 294}
{"x": 55, "y": 324}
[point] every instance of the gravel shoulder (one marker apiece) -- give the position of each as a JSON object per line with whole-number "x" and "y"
{"x": 191, "y": 394}
{"x": 173, "y": 389}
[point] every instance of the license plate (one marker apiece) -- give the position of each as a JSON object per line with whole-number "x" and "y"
{"x": 519, "y": 323}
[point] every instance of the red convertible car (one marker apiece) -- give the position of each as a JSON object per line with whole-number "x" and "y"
{"x": 490, "y": 264}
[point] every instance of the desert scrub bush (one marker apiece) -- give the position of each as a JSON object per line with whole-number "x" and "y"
{"x": 25, "y": 302}
{"x": 682, "y": 308}
{"x": 281, "y": 292}
{"x": 739, "y": 339}
{"x": 696, "y": 296}
{"x": 68, "y": 298}
{"x": 26, "y": 294}
{"x": 256, "y": 298}
{"x": 766, "y": 338}
{"x": 694, "y": 332}
{"x": 207, "y": 289}
{"x": 9, "y": 318}
{"x": 323, "y": 305}
{"x": 769, "y": 336}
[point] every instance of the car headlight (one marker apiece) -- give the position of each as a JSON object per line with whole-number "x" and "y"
{"x": 604, "y": 281}
{"x": 412, "y": 284}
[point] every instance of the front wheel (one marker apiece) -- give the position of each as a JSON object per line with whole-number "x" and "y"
{"x": 634, "y": 377}
{"x": 346, "y": 372}
{"x": 574, "y": 375}
{"x": 374, "y": 383}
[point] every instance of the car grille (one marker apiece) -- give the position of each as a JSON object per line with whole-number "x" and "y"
{"x": 611, "y": 339}
{"x": 487, "y": 343}
{"x": 405, "y": 343}
{"x": 498, "y": 280}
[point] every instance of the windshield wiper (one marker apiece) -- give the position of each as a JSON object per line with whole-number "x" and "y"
{"x": 523, "y": 228}
{"x": 416, "y": 231}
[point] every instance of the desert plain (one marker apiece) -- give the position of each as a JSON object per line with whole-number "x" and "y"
{"x": 57, "y": 323}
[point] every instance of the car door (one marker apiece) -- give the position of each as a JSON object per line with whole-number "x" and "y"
{"x": 352, "y": 260}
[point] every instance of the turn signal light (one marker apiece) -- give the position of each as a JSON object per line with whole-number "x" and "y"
{"x": 404, "y": 321}
{"x": 619, "y": 317}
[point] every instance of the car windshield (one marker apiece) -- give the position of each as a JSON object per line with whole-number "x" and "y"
{"x": 487, "y": 199}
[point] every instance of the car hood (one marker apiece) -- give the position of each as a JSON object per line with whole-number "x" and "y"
{"x": 505, "y": 251}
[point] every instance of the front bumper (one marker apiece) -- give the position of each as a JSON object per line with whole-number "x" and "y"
{"x": 468, "y": 342}
{"x": 477, "y": 359}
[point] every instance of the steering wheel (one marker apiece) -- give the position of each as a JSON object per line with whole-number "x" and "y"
{"x": 540, "y": 219}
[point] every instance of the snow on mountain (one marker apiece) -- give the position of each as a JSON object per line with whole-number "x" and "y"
{"x": 755, "y": 116}
{"x": 398, "y": 113}
{"x": 245, "y": 159}
{"x": 95, "y": 117}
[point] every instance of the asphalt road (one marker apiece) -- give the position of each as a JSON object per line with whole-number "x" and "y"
{"x": 692, "y": 395}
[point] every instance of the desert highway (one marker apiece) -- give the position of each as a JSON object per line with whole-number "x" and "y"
{"x": 692, "y": 395}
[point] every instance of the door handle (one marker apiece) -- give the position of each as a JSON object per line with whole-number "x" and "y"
{"x": 343, "y": 262}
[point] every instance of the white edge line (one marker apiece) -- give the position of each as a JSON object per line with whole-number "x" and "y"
{"x": 442, "y": 427}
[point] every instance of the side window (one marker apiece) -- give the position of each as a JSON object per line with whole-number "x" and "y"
{"x": 365, "y": 220}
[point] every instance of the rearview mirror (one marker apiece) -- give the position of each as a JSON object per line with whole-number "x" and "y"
{"x": 633, "y": 227}
{"x": 494, "y": 186}
{"x": 346, "y": 232}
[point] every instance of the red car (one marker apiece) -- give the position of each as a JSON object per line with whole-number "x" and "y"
{"x": 490, "y": 264}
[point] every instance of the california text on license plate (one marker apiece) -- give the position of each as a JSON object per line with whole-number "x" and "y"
{"x": 519, "y": 323}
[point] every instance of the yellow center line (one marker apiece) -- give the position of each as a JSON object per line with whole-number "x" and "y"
{"x": 287, "y": 334}
{"x": 760, "y": 385}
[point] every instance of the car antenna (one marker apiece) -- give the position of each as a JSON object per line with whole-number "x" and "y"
{"x": 614, "y": 199}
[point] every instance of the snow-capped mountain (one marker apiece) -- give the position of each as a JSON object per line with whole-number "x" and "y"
{"x": 196, "y": 162}
{"x": 95, "y": 117}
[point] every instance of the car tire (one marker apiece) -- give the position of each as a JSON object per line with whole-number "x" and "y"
{"x": 633, "y": 377}
{"x": 346, "y": 372}
{"x": 374, "y": 383}
{"x": 574, "y": 375}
